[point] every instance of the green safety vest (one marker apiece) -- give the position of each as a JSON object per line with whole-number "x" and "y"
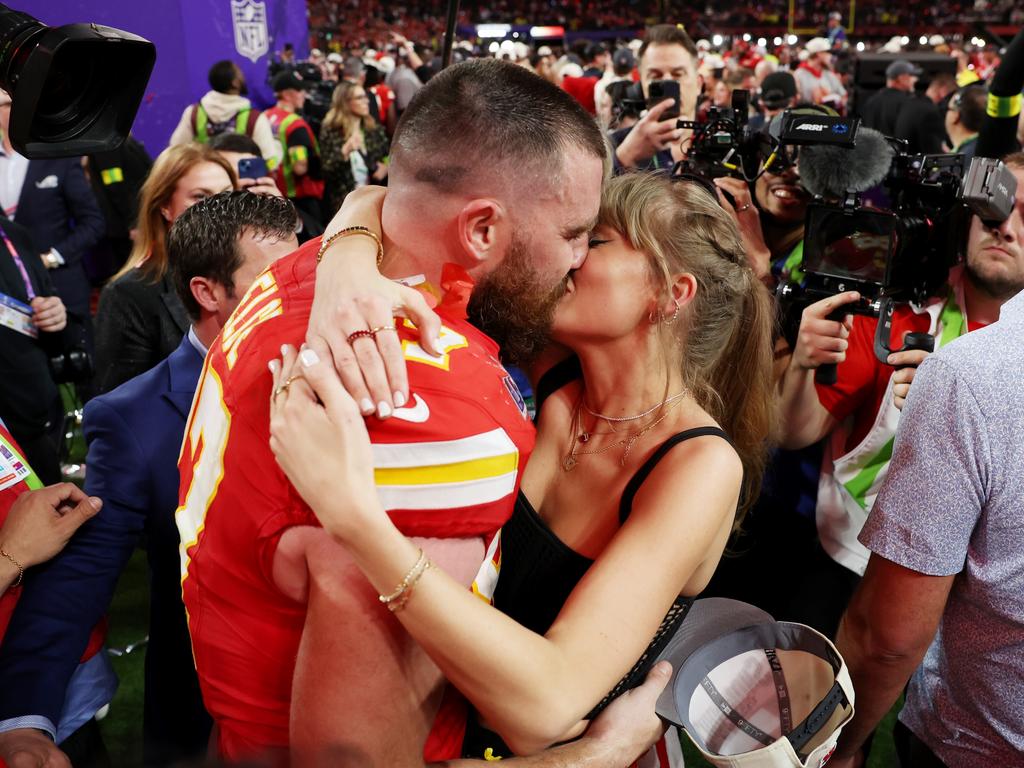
{"x": 203, "y": 120}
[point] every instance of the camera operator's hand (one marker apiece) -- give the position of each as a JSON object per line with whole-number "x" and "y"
{"x": 821, "y": 341}
{"x": 902, "y": 379}
{"x": 748, "y": 218}
{"x": 261, "y": 186}
{"x": 42, "y": 521}
{"x": 649, "y": 136}
{"x": 49, "y": 314}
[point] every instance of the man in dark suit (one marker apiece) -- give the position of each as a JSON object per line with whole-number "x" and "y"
{"x": 218, "y": 248}
{"x": 53, "y": 201}
{"x": 29, "y": 403}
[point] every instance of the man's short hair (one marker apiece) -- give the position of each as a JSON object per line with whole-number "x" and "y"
{"x": 203, "y": 242}
{"x": 236, "y": 142}
{"x": 668, "y": 34}
{"x": 1014, "y": 160}
{"x": 489, "y": 116}
{"x": 971, "y": 102}
{"x": 222, "y": 75}
{"x": 352, "y": 68}
{"x": 944, "y": 80}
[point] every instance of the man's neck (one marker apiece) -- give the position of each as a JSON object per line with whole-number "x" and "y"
{"x": 961, "y": 138}
{"x": 980, "y": 305}
{"x": 285, "y": 106}
{"x": 206, "y": 327}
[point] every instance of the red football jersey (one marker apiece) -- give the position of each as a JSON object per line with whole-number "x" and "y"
{"x": 447, "y": 465}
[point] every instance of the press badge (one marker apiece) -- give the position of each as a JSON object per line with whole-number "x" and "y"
{"x": 17, "y": 316}
{"x": 12, "y": 469}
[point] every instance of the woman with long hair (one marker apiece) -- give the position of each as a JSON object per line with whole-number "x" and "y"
{"x": 353, "y": 147}
{"x": 140, "y": 320}
{"x": 650, "y": 447}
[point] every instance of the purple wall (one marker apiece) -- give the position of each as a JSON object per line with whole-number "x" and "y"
{"x": 189, "y": 35}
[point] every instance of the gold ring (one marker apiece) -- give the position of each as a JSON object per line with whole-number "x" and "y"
{"x": 284, "y": 386}
{"x": 379, "y": 328}
{"x": 743, "y": 208}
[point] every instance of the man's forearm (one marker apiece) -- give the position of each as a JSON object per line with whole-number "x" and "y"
{"x": 804, "y": 419}
{"x": 584, "y": 753}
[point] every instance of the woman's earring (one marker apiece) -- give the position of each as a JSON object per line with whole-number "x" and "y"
{"x": 674, "y": 314}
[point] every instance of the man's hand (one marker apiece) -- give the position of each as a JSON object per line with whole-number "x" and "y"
{"x": 649, "y": 136}
{"x": 902, "y": 379}
{"x": 49, "y": 314}
{"x": 261, "y": 186}
{"x": 822, "y": 341}
{"x": 748, "y": 218}
{"x": 855, "y": 761}
{"x": 629, "y": 723}
{"x": 29, "y": 748}
{"x": 41, "y": 522}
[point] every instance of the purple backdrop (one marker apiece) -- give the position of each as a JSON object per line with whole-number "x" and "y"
{"x": 189, "y": 35}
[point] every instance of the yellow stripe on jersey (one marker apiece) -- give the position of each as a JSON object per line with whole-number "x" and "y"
{"x": 446, "y": 474}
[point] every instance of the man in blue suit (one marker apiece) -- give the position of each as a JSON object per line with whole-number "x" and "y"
{"x": 53, "y": 200}
{"x": 217, "y": 249}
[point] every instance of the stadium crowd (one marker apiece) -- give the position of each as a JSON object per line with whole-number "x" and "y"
{"x": 446, "y": 401}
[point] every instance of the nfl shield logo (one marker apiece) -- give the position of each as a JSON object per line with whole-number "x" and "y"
{"x": 250, "y": 21}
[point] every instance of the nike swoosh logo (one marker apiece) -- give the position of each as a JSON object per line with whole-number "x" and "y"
{"x": 417, "y": 413}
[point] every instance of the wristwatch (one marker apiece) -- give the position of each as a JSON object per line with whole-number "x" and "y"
{"x": 51, "y": 260}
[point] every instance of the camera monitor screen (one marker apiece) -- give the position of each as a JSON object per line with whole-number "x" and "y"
{"x": 850, "y": 246}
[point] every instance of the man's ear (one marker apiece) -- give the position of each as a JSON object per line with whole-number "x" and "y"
{"x": 484, "y": 230}
{"x": 207, "y": 293}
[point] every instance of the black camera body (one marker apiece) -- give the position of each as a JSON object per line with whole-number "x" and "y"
{"x": 721, "y": 144}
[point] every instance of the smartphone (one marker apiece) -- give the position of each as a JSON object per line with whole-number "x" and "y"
{"x": 658, "y": 91}
{"x": 252, "y": 168}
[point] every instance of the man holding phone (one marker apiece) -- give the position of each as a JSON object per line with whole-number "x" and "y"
{"x": 298, "y": 177}
{"x": 671, "y": 86}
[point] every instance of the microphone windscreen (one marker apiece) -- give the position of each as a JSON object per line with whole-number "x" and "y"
{"x": 832, "y": 171}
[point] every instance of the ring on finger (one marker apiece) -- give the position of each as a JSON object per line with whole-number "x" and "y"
{"x": 379, "y": 328}
{"x": 284, "y": 386}
{"x": 742, "y": 208}
{"x": 362, "y": 333}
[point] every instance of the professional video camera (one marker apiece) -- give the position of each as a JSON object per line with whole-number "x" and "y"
{"x": 893, "y": 238}
{"x": 721, "y": 145}
{"x": 75, "y": 89}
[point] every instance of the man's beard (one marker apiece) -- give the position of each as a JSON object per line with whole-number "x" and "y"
{"x": 996, "y": 283}
{"x": 515, "y": 306}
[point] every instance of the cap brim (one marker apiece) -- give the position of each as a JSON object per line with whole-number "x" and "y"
{"x": 708, "y": 619}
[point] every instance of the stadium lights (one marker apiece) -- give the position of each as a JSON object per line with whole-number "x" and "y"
{"x": 546, "y": 32}
{"x": 905, "y": 40}
{"x": 746, "y": 37}
{"x": 777, "y": 41}
{"x": 494, "y": 47}
{"x": 861, "y": 47}
{"x": 716, "y": 40}
{"x": 791, "y": 39}
{"x": 762, "y": 42}
{"x": 498, "y": 31}
{"x": 923, "y": 40}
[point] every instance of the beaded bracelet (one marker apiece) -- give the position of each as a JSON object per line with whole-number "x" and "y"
{"x": 21, "y": 571}
{"x": 346, "y": 232}
{"x": 396, "y": 600}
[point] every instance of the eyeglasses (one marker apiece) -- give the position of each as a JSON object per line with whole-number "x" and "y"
{"x": 363, "y": 97}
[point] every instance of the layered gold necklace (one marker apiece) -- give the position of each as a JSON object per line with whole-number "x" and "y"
{"x": 580, "y": 435}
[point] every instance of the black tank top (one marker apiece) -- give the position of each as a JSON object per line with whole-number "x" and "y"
{"x": 539, "y": 572}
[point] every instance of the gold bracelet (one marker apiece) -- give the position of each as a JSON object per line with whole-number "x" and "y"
{"x": 21, "y": 571}
{"x": 346, "y": 232}
{"x": 396, "y": 600}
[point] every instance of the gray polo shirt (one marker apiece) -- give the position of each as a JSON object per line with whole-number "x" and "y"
{"x": 953, "y": 504}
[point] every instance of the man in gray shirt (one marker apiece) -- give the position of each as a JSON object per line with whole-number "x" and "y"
{"x": 946, "y": 577}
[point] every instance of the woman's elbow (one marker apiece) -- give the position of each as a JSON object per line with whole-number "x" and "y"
{"x": 539, "y": 727}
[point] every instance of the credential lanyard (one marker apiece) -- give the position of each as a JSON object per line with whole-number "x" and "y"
{"x": 19, "y": 264}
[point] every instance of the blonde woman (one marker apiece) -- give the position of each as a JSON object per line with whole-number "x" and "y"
{"x": 650, "y": 447}
{"x": 140, "y": 319}
{"x": 353, "y": 146}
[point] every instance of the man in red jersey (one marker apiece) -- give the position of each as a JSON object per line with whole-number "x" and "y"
{"x": 494, "y": 187}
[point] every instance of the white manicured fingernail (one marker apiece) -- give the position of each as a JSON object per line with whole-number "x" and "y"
{"x": 272, "y": 365}
{"x": 399, "y": 399}
{"x": 309, "y": 357}
{"x": 284, "y": 349}
{"x": 366, "y": 405}
{"x": 383, "y": 409}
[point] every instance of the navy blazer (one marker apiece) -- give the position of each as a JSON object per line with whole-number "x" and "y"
{"x": 58, "y": 207}
{"x": 134, "y": 434}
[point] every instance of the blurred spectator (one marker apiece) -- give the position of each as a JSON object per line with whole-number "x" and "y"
{"x": 623, "y": 64}
{"x": 117, "y": 178}
{"x": 778, "y": 93}
{"x": 354, "y": 71}
{"x": 32, "y": 319}
{"x": 353, "y": 146}
{"x": 217, "y": 248}
{"x": 53, "y": 201}
{"x": 224, "y": 108}
{"x": 921, "y": 122}
{"x": 402, "y": 80}
{"x": 299, "y": 176}
{"x": 964, "y": 116}
{"x": 883, "y": 109}
{"x": 836, "y": 33}
{"x": 234, "y": 147}
{"x": 597, "y": 61}
{"x": 815, "y": 80}
{"x": 140, "y": 320}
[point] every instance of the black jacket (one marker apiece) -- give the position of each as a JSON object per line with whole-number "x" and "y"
{"x": 883, "y": 109}
{"x": 27, "y": 391}
{"x": 138, "y": 324}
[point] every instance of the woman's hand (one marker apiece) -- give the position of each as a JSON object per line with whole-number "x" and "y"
{"x": 351, "y": 295}
{"x": 320, "y": 441}
{"x": 352, "y": 144}
{"x": 41, "y": 522}
{"x": 261, "y": 186}
{"x": 748, "y": 219}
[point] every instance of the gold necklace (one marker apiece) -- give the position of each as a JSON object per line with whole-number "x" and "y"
{"x": 569, "y": 462}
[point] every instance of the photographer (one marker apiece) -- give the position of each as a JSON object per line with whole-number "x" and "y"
{"x": 860, "y": 412}
{"x": 653, "y": 142}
